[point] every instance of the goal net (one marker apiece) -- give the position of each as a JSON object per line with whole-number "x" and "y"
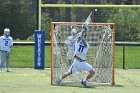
{"x": 100, "y": 37}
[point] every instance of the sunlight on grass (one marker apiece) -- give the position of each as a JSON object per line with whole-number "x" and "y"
{"x": 29, "y": 80}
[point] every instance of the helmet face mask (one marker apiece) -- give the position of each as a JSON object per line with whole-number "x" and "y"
{"x": 7, "y": 32}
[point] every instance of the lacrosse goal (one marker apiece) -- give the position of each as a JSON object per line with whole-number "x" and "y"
{"x": 100, "y": 54}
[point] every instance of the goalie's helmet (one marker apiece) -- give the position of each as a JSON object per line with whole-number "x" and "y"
{"x": 7, "y": 32}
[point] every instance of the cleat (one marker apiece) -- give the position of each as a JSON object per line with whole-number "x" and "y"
{"x": 58, "y": 82}
{"x": 84, "y": 83}
{"x": 8, "y": 71}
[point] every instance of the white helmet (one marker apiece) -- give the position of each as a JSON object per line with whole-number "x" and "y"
{"x": 73, "y": 31}
{"x": 7, "y": 32}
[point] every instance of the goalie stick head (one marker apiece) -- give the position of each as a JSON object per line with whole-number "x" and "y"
{"x": 88, "y": 20}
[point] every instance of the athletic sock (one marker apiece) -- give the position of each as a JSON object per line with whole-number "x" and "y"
{"x": 85, "y": 80}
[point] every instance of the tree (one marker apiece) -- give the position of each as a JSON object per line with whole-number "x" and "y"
{"x": 19, "y": 17}
{"x": 79, "y": 12}
{"x": 68, "y": 12}
{"x": 127, "y": 23}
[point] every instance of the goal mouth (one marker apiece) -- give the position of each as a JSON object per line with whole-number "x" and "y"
{"x": 100, "y": 37}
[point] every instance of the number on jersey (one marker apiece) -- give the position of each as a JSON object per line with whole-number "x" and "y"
{"x": 81, "y": 48}
{"x": 6, "y": 43}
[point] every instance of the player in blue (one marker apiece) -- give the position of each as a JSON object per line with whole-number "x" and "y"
{"x": 6, "y": 43}
{"x": 79, "y": 63}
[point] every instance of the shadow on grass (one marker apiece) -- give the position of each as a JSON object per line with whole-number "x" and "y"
{"x": 79, "y": 85}
{"x": 118, "y": 85}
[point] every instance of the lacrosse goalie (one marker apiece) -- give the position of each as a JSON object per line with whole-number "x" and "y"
{"x": 6, "y": 43}
{"x": 80, "y": 63}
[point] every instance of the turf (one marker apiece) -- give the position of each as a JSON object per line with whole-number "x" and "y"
{"x": 23, "y": 56}
{"x": 131, "y": 57}
{"x": 28, "y": 80}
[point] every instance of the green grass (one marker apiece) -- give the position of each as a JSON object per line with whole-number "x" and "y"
{"x": 23, "y": 56}
{"x": 28, "y": 80}
{"x": 118, "y": 57}
{"x": 132, "y": 57}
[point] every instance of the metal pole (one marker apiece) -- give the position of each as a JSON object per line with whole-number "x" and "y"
{"x": 123, "y": 56}
{"x": 39, "y": 15}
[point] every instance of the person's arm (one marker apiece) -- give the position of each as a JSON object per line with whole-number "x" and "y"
{"x": 0, "y": 43}
{"x": 66, "y": 41}
{"x": 11, "y": 45}
{"x": 83, "y": 32}
{"x": 84, "y": 35}
{"x": 84, "y": 29}
{"x": 84, "y": 42}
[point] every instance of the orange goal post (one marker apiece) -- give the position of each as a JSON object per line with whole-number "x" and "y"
{"x": 101, "y": 38}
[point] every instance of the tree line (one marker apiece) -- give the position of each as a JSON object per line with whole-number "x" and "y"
{"x": 21, "y": 17}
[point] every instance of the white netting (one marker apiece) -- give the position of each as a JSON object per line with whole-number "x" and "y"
{"x": 99, "y": 54}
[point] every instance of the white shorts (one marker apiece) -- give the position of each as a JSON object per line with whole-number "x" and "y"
{"x": 78, "y": 66}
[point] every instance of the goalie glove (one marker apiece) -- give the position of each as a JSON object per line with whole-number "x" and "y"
{"x": 85, "y": 27}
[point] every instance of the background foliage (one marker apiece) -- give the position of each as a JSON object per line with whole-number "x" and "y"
{"x": 21, "y": 17}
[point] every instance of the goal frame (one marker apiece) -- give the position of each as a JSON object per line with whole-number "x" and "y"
{"x": 80, "y": 23}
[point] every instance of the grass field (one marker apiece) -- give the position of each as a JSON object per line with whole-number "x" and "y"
{"x": 132, "y": 57}
{"x": 28, "y": 80}
{"x": 23, "y": 56}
